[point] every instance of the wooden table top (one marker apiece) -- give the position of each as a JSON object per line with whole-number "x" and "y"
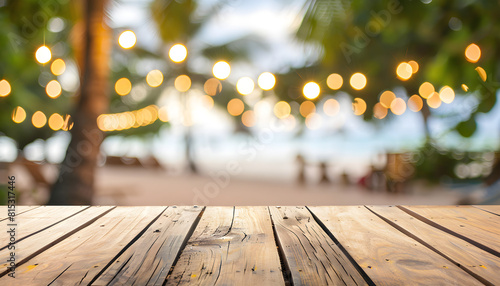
{"x": 288, "y": 245}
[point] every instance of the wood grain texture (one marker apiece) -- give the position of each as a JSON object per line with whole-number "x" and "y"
{"x": 311, "y": 255}
{"x": 38, "y": 219}
{"x": 476, "y": 261}
{"x": 230, "y": 246}
{"x": 489, "y": 208}
{"x": 466, "y": 221}
{"x": 148, "y": 260}
{"x": 388, "y": 256}
{"x": 19, "y": 210}
{"x": 42, "y": 240}
{"x": 80, "y": 257}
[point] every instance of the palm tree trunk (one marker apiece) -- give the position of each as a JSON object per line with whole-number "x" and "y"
{"x": 75, "y": 184}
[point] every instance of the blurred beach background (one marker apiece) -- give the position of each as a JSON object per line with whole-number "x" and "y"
{"x": 179, "y": 131}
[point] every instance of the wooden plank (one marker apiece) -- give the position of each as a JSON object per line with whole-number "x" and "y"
{"x": 19, "y": 210}
{"x": 477, "y": 262}
{"x": 479, "y": 227}
{"x": 388, "y": 256}
{"x": 38, "y": 219}
{"x": 149, "y": 259}
{"x": 40, "y": 241}
{"x": 230, "y": 246}
{"x": 489, "y": 208}
{"x": 80, "y": 257}
{"x": 311, "y": 255}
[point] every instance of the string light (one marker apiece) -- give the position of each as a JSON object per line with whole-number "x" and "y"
{"x": 358, "y": 81}
{"x": 154, "y": 78}
{"x": 282, "y": 109}
{"x": 43, "y": 54}
{"x": 39, "y": 119}
{"x": 245, "y": 85}
{"x": 311, "y": 90}
{"x": 127, "y": 39}
{"x": 266, "y": 81}
{"x": 473, "y": 53}
{"x": 58, "y": 67}
{"x": 334, "y": 81}
{"x": 221, "y": 70}
{"x": 5, "y": 88}
{"x": 178, "y": 53}
{"x": 18, "y": 114}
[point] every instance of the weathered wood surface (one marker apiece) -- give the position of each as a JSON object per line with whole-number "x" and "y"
{"x": 38, "y": 219}
{"x": 312, "y": 256}
{"x": 388, "y": 256}
{"x": 490, "y": 208}
{"x": 148, "y": 260}
{"x": 230, "y": 246}
{"x": 348, "y": 245}
{"x": 79, "y": 258}
{"x": 39, "y": 241}
{"x": 479, "y": 227}
{"x": 477, "y": 262}
{"x": 18, "y": 210}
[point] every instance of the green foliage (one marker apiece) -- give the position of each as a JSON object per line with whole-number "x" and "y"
{"x": 373, "y": 37}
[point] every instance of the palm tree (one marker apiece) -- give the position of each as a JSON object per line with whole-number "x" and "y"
{"x": 75, "y": 184}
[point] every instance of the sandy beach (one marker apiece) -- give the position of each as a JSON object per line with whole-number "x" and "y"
{"x": 139, "y": 186}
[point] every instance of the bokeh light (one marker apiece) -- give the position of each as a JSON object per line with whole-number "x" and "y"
{"x": 248, "y": 118}
{"x": 415, "y": 103}
{"x": 404, "y": 71}
{"x": 386, "y": 98}
{"x": 398, "y": 106}
{"x": 331, "y": 107}
{"x": 414, "y": 66}
{"x": 5, "y": 88}
{"x": 182, "y": 83}
{"x": 245, "y": 85}
{"x": 212, "y": 86}
{"x": 235, "y": 107}
{"x": 127, "y": 39}
{"x": 208, "y": 101}
{"x": 266, "y": 81}
{"x": 482, "y": 73}
{"x": 123, "y": 86}
{"x": 434, "y": 101}
{"x": 221, "y": 70}
{"x": 178, "y": 53}
{"x": 379, "y": 111}
{"x": 43, "y": 54}
{"x": 446, "y": 94}
{"x": 358, "y": 81}
{"x": 154, "y": 78}
{"x": 56, "y": 121}
{"x": 53, "y": 89}
{"x": 473, "y": 53}
{"x": 282, "y": 109}
{"x": 359, "y": 106}
{"x": 162, "y": 114}
{"x": 334, "y": 81}
{"x": 39, "y": 119}
{"x": 426, "y": 89}
{"x": 68, "y": 123}
{"x": 58, "y": 67}
{"x": 18, "y": 114}
{"x": 307, "y": 107}
{"x": 313, "y": 121}
{"x": 311, "y": 90}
